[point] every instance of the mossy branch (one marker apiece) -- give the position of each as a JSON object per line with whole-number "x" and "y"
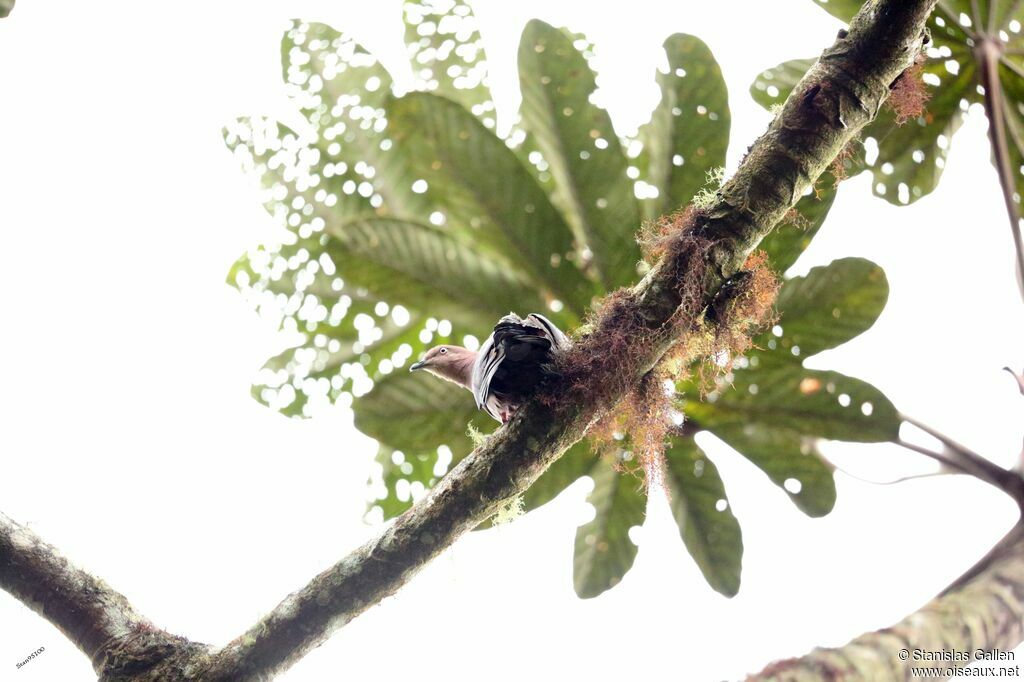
{"x": 96, "y": 618}
{"x": 984, "y": 612}
{"x": 836, "y": 99}
{"x": 827, "y": 110}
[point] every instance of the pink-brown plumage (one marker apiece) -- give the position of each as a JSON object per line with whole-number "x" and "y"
{"x": 510, "y": 365}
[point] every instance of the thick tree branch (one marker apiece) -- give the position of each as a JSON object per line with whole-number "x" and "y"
{"x": 836, "y": 99}
{"x": 825, "y": 113}
{"x": 97, "y": 619}
{"x": 983, "y": 611}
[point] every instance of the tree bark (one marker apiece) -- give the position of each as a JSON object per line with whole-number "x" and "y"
{"x": 825, "y": 113}
{"x": 99, "y": 620}
{"x": 982, "y": 612}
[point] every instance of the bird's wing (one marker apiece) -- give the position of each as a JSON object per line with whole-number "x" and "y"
{"x": 559, "y": 341}
{"x": 488, "y": 358}
{"x": 514, "y": 352}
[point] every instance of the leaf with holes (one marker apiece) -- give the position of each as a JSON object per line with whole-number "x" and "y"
{"x": 447, "y": 54}
{"x": 975, "y": 57}
{"x": 483, "y": 191}
{"x": 791, "y": 460}
{"x": 604, "y": 551}
{"x": 906, "y": 159}
{"x": 431, "y": 270}
{"x": 581, "y": 148}
{"x": 361, "y": 340}
{"x": 773, "y": 410}
{"x": 829, "y": 306}
{"x": 793, "y": 234}
{"x": 341, "y": 89}
{"x": 701, "y": 509}
{"x": 688, "y": 133}
{"x": 423, "y": 420}
{"x": 407, "y": 221}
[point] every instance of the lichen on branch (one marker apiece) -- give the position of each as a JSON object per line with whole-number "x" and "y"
{"x": 827, "y": 109}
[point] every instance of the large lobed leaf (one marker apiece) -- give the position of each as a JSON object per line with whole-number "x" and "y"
{"x": 580, "y": 146}
{"x": 604, "y": 552}
{"x": 701, "y": 509}
{"x": 688, "y": 134}
{"x": 421, "y": 425}
{"x": 774, "y": 411}
{"x": 447, "y": 55}
{"x": 408, "y": 221}
{"x": 483, "y": 191}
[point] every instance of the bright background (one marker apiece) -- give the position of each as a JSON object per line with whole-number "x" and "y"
{"x": 128, "y": 438}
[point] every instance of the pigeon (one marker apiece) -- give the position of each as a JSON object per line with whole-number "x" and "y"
{"x": 514, "y": 360}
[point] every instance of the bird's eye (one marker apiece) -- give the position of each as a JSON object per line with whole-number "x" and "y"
{"x": 443, "y": 351}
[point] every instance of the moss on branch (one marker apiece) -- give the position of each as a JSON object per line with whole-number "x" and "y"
{"x": 825, "y": 112}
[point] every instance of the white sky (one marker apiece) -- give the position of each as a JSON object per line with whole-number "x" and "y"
{"x": 129, "y": 439}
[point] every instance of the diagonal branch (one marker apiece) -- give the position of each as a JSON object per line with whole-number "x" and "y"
{"x": 836, "y": 99}
{"x": 826, "y": 111}
{"x": 980, "y": 611}
{"x": 97, "y": 619}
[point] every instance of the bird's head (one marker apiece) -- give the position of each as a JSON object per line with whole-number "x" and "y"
{"x": 453, "y": 363}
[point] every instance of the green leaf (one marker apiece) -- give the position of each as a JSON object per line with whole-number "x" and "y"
{"x": 5, "y": 7}
{"x": 906, "y": 159}
{"x": 688, "y": 133}
{"x": 775, "y": 414}
{"x": 701, "y": 509}
{"x": 336, "y": 353}
{"x": 324, "y": 68}
{"x": 429, "y": 269}
{"x": 790, "y": 238}
{"x": 415, "y": 411}
{"x": 341, "y": 89}
{"x": 1011, "y": 76}
{"x": 841, "y": 9}
{"x": 829, "y": 306}
{"x": 581, "y": 148}
{"x": 447, "y": 54}
{"x": 773, "y": 410}
{"x": 483, "y": 190}
{"x": 772, "y": 87}
{"x": 421, "y": 425}
{"x": 790, "y": 458}
{"x": 812, "y": 402}
{"x": 567, "y": 469}
{"x": 912, "y": 156}
{"x": 604, "y": 551}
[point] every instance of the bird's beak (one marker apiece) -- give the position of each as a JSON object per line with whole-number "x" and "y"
{"x": 417, "y": 365}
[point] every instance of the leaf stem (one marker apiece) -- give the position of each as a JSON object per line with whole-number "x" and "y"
{"x": 951, "y": 17}
{"x": 988, "y": 53}
{"x": 966, "y": 460}
{"x": 976, "y": 14}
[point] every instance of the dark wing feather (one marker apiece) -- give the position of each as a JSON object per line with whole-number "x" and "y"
{"x": 515, "y": 359}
